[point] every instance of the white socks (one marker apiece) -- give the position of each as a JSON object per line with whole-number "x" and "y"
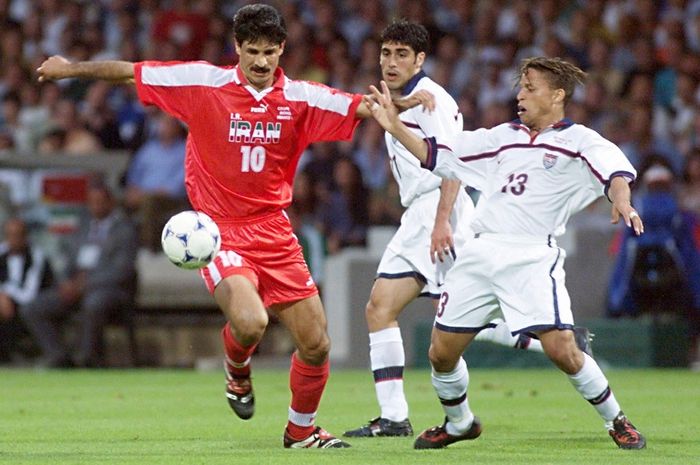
{"x": 451, "y": 389}
{"x": 387, "y": 360}
{"x": 592, "y": 384}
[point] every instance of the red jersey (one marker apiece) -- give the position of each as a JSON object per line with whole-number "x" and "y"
{"x": 244, "y": 145}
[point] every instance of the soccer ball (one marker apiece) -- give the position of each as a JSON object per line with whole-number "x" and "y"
{"x": 190, "y": 239}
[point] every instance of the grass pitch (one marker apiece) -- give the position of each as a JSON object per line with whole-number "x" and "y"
{"x": 181, "y": 417}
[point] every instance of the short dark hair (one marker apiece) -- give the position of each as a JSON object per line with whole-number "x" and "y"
{"x": 403, "y": 32}
{"x": 559, "y": 73}
{"x": 259, "y": 21}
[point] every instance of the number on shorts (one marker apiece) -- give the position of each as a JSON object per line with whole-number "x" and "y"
{"x": 444, "y": 297}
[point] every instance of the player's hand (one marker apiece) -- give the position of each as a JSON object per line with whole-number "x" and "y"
{"x": 54, "y": 67}
{"x": 442, "y": 242}
{"x": 381, "y": 106}
{"x": 630, "y": 216}
{"x": 421, "y": 97}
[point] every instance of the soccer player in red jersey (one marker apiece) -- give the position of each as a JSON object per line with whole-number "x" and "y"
{"x": 248, "y": 126}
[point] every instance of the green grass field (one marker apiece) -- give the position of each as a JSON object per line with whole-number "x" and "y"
{"x": 181, "y": 417}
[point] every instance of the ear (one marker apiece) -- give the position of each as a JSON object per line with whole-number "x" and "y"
{"x": 282, "y": 47}
{"x": 237, "y": 46}
{"x": 420, "y": 59}
{"x": 559, "y": 96}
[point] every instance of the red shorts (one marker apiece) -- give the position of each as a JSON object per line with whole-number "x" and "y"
{"x": 266, "y": 251}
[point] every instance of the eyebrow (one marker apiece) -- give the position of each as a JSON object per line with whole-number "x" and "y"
{"x": 398, "y": 49}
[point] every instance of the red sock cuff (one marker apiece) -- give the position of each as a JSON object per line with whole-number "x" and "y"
{"x": 234, "y": 350}
{"x": 310, "y": 370}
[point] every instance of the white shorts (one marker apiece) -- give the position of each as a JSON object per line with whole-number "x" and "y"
{"x": 408, "y": 252}
{"x": 520, "y": 279}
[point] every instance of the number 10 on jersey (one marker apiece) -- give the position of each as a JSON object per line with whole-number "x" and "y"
{"x": 252, "y": 158}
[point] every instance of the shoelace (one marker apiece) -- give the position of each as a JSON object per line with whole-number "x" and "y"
{"x": 435, "y": 431}
{"x": 239, "y": 386}
{"x": 626, "y": 430}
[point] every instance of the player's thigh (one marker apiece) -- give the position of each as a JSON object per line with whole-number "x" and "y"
{"x": 306, "y": 321}
{"x": 389, "y": 297}
{"x": 238, "y": 299}
{"x": 531, "y": 289}
{"x": 467, "y": 303}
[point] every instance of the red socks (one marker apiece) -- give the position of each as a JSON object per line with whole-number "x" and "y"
{"x": 237, "y": 356}
{"x": 307, "y": 383}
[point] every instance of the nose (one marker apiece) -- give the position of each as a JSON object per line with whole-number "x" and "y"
{"x": 261, "y": 61}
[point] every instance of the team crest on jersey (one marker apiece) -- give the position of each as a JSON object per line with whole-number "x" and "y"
{"x": 549, "y": 160}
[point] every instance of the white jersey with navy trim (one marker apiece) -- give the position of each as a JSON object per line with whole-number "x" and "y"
{"x": 442, "y": 123}
{"x": 530, "y": 185}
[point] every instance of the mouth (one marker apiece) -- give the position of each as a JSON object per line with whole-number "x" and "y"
{"x": 521, "y": 110}
{"x": 260, "y": 71}
{"x": 390, "y": 75}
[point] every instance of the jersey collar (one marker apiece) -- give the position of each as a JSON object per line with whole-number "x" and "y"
{"x": 413, "y": 82}
{"x": 559, "y": 125}
{"x": 278, "y": 83}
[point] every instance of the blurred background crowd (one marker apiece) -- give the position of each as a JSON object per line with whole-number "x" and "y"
{"x": 643, "y": 91}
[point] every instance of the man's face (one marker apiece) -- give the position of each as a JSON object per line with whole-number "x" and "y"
{"x": 399, "y": 63}
{"x": 99, "y": 203}
{"x": 258, "y": 61}
{"x": 538, "y": 103}
{"x": 16, "y": 235}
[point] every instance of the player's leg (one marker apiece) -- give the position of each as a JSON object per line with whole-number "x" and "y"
{"x": 238, "y": 298}
{"x": 450, "y": 379}
{"x": 501, "y": 334}
{"x": 387, "y": 357}
{"x": 309, "y": 372}
{"x": 589, "y": 380}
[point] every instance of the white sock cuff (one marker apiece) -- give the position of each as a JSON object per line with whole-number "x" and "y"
{"x": 589, "y": 365}
{"x": 385, "y": 335}
{"x": 458, "y": 373}
{"x": 301, "y": 419}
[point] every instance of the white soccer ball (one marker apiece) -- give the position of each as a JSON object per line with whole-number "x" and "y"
{"x": 191, "y": 239}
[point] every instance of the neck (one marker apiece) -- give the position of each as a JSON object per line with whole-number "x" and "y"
{"x": 538, "y": 126}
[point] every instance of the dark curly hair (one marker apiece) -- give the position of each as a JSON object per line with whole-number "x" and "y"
{"x": 259, "y": 21}
{"x": 403, "y": 32}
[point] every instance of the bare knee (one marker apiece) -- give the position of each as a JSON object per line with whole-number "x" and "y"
{"x": 441, "y": 358}
{"x": 561, "y": 349}
{"x": 314, "y": 350}
{"x": 379, "y": 316}
{"x": 250, "y": 330}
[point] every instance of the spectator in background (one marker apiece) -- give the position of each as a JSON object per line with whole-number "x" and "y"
{"x": 370, "y": 157}
{"x": 690, "y": 187}
{"x": 345, "y": 213}
{"x": 183, "y": 26}
{"x": 660, "y": 270}
{"x": 155, "y": 180}
{"x": 99, "y": 285}
{"x": 99, "y": 116}
{"x": 77, "y": 139}
{"x": 24, "y": 270}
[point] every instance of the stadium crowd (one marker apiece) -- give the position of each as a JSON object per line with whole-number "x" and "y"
{"x": 643, "y": 90}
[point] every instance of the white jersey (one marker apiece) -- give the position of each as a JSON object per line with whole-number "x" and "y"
{"x": 530, "y": 185}
{"x": 443, "y": 123}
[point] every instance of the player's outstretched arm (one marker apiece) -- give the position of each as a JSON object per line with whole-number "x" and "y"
{"x": 421, "y": 97}
{"x": 385, "y": 112}
{"x": 620, "y": 195}
{"x": 57, "y": 67}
